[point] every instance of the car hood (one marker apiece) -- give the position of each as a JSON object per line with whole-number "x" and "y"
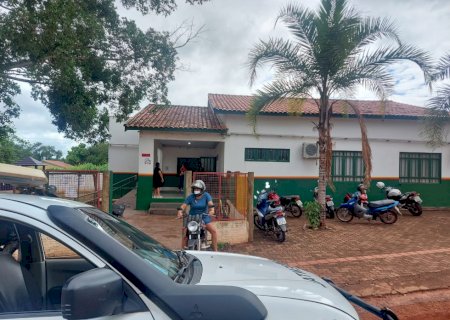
{"x": 266, "y": 278}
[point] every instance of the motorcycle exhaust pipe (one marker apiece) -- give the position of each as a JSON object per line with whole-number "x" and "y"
{"x": 398, "y": 210}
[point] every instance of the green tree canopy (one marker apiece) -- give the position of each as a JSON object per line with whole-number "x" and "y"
{"x": 80, "y": 55}
{"x": 96, "y": 154}
{"x": 333, "y": 50}
{"x": 13, "y": 148}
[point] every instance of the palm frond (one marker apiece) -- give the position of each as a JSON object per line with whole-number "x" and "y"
{"x": 442, "y": 68}
{"x": 280, "y": 53}
{"x": 301, "y": 22}
{"x": 366, "y": 150}
{"x": 376, "y": 79}
{"x": 275, "y": 91}
{"x": 370, "y": 30}
{"x": 436, "y": 129}
{"x": 386, "y": 55}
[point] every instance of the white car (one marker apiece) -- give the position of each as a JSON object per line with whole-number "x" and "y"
{"x": 61, "y": 259}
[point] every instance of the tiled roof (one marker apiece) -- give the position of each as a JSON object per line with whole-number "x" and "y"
{"x": 29, "y": 161}
{"x": 56, "y": 163}
{"x": 241, "y": 104}
{"x": 176, "y": 117}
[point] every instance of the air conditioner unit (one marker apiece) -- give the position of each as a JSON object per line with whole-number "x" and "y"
{"x": 310, "y": 150}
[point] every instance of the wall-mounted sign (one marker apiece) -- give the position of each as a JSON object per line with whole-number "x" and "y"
{"x": 145, "y": 155}
{"x": 148, "y": 161}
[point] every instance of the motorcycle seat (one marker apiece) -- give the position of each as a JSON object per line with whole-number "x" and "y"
{"x": 291, "y": 196}
{"x": 380, "y": 203}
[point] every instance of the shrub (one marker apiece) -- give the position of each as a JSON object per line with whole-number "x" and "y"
{"x": 312, "y": 211}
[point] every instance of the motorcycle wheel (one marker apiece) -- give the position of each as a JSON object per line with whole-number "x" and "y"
{"x": 281, "y": 235}
{"x": 415, "y": 209}
{"x": 296, "y": 211}
{"x": 330, "y": 213}
{"x": 344, "y": 215}
{"x": 389, "y": 217}
{"x": 256, "y": 222}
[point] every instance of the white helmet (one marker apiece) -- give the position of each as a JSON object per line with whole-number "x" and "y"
{"x": 198, "y": 184}
{"x": 380, "y": 185}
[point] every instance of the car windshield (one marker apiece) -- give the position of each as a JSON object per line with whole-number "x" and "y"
{"x": 163, "y": 259}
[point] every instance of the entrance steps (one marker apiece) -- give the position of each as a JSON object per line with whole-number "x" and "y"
{"x": 165, "y": 208}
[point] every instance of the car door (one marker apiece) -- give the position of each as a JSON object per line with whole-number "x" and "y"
{"x": 50, "y": 258}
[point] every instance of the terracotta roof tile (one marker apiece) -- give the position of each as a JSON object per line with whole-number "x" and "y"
{"x": 176, "y": 117}
{"x": 234, "y": 103}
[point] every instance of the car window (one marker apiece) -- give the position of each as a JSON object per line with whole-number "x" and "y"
{"x": 55, "y": 250}
{"x": 31, "y": 276}
{"x": 154, "y": 253}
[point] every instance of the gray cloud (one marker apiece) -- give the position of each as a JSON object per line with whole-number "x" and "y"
{"x": 216, "y": 59}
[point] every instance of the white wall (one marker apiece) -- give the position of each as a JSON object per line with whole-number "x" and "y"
{"x": 387, "y": 139}
{"x": 123, "y": 148}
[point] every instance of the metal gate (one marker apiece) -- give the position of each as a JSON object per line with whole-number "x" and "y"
{"x": 83, "y": 186}
{"x": 229, "y": 193}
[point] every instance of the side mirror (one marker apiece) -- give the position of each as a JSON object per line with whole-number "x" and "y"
{"x": 91, "y": 294}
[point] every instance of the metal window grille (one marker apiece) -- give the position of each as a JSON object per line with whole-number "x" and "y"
{"x": 347, "y": 166}
{"x": 268, "y": 155}
{"x": 228, "y": 191}
{"x": 420, "y": 167}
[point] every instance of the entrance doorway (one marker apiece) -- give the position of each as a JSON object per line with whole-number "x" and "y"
{"x": 202, "y": 164}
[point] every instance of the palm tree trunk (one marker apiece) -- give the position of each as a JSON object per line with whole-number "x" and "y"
{"x": 322, "y": 176}
{"x": 323, "y": 168}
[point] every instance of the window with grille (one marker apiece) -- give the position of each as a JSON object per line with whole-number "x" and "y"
{"x": 420, "y": 167}
{"x": 263, "y": 154}
{"x": 347, "y": 166}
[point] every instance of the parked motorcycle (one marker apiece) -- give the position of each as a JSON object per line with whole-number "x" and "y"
{"x": 196, "y": 233}
{"x": 355, "y": 207}
{"x": 293, "y": 205}
{"x": 329, "y": 203}
{"x": 408, "y": 200}
{"x": 269, "y": 215}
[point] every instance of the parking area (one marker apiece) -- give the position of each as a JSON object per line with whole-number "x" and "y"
{"x": 410, "y": 258}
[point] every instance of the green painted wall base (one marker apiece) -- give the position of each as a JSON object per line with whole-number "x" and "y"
{"x": 144, "y": 192}
{"x": 433, "y": 195}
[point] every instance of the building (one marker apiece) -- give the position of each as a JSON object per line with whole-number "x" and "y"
{"x": 282, "y": 148}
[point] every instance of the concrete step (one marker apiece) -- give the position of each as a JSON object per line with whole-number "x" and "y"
{"x": 164, "y": 208}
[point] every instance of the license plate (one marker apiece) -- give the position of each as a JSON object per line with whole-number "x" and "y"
{"x": 330, "y": 203}
{"x": 299, "y": 203}
{"x": 281, "y": 221}
{"x": 417, "y": 199}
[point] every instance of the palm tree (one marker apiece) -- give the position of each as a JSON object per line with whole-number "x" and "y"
{"x": 333, "y": 51}
{"x": 439, "y": 114}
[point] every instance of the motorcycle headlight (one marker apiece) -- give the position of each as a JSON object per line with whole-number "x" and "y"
{"x": 192, "y": 226}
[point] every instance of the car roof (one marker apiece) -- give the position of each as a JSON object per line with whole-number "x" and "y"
{"x": 41, "y": 201}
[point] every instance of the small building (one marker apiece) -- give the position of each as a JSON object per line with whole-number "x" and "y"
{"x": 281, "y": 147}
{"x": 56, "y": 164}
{"x": 31, "y": 162}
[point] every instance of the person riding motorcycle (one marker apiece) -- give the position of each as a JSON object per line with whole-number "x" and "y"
{"x": 266, "y": 201}
{"x": 200, "y": 202}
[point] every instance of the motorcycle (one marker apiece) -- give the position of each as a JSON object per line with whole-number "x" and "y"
{"x": 196, "y": 233}
{"x": 269, "y": 215}
{"x": 408, "y": 200}
{"x": 358, "y": 206}
{"x": 329, "y": 203}
{"x": 293, "y": 205}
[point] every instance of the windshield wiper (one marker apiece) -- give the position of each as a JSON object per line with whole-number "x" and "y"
{"x": 183, "y": 265}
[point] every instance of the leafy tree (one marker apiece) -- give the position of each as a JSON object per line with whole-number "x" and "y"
{"x": 96, "y": 154}
{"x": 13, "y": 148}
{"x": 79, "y": 55}
{"x": 438, "y": 119}
{"x": 333, "y": 50}
{"x": 42, "y": 152}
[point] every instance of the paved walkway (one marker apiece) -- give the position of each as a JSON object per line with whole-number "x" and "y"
{"x": 368, "y": 259}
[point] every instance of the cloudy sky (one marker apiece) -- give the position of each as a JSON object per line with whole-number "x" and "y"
{"x": 215, "y": 61}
